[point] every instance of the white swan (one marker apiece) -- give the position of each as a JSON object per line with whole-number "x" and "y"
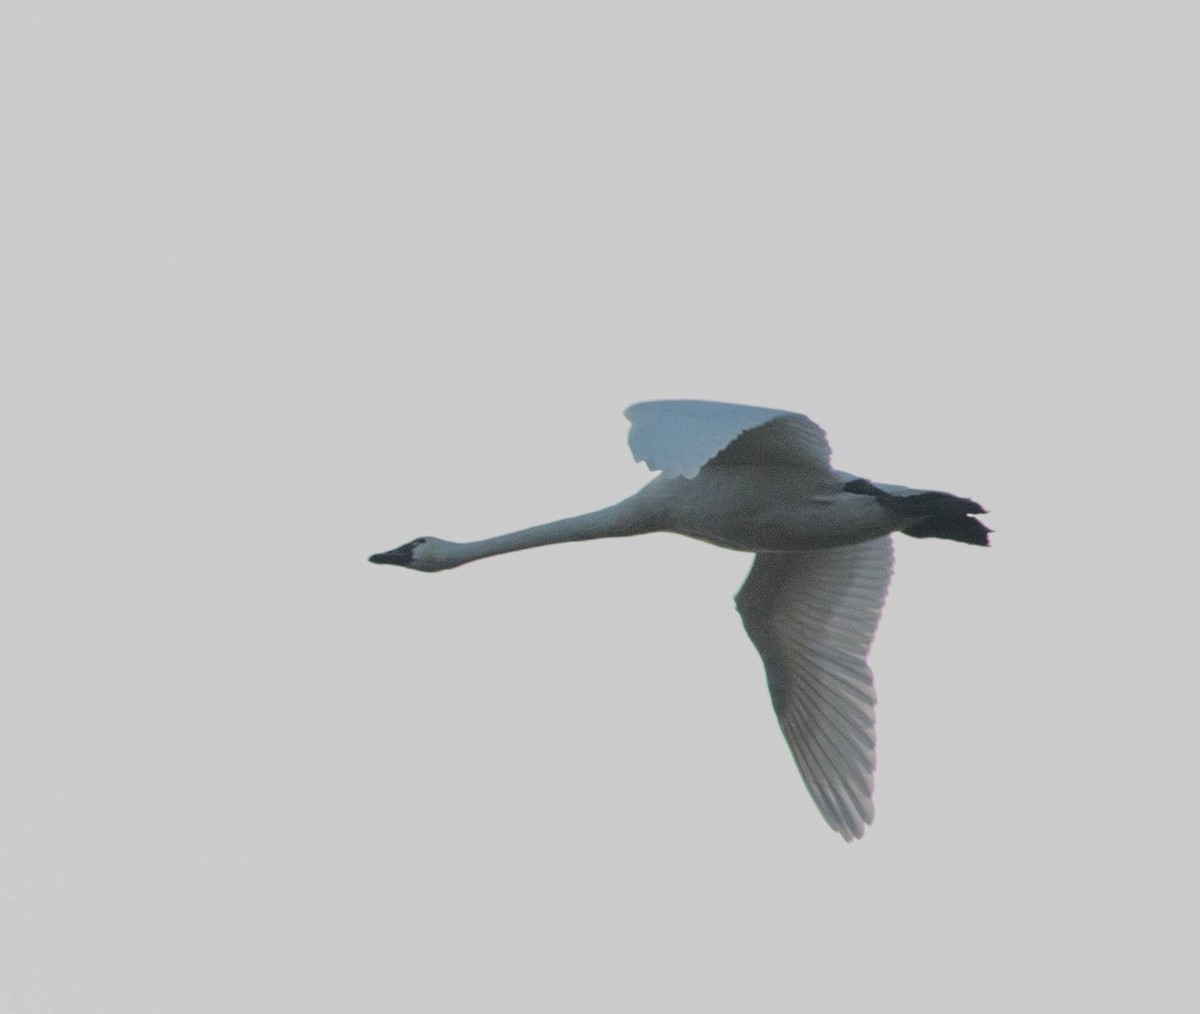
{"x": 759, "y": 480}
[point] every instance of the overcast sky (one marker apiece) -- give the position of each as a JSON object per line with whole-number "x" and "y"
{"x": 288, "y": 284}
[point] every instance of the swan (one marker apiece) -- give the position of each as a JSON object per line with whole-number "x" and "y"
{"x": 759, "y": 480}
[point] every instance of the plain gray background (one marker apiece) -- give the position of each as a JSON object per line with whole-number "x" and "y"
{"x": 287, "y": 284}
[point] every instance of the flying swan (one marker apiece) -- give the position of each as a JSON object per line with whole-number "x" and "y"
{"x": 759, "y": 480}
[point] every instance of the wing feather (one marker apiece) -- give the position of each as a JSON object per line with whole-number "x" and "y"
{"x": 812, "y": 617}
{"x": 681, "y": 437}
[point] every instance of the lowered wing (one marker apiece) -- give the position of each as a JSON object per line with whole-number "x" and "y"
{"x": 812, "y": 617}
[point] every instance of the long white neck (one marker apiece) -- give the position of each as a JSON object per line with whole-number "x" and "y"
{"x": 611, "y": 522}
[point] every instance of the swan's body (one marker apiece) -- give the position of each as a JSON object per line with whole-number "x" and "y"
{"x": 759, "y": 480}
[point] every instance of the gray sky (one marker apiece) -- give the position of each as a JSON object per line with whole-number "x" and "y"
{"x": 285, "y": 285}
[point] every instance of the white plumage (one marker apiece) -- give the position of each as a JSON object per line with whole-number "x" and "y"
{"x": 759, "y": 480}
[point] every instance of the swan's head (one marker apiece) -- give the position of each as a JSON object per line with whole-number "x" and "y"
{"x": 426, "y": 553}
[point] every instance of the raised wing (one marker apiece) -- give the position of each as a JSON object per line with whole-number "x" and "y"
{"x": 812, "y": 617}
{"x": 681, "y": 437}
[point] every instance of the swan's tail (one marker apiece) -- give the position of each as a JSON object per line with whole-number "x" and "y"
{"x": 942, "y": 515}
